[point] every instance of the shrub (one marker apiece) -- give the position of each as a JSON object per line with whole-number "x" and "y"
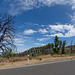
{"x": 30, "y": 58}
{"x": 40, "y": 58}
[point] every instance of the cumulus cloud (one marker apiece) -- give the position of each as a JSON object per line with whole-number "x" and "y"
{"x": 43, "y": 39}
{"x": 61, "y": 27}
{"x": 70, "y": 33}
{"x": 19, "y": 41}
{"x": 39, "y": 44}
{"x": 66, "y": 30}
{"x": 18, "y": 6}
{"x": 63, "y": 30}
{"x": 43, "y": 31}
{"x": 58, "y": 34}
{"x": 29, "y": 32}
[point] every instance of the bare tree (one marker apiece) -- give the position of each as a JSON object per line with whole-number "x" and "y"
{"x": 6, "y": 32}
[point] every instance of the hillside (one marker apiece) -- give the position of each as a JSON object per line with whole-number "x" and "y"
{"x": 36, "y": 49}
{"x": 68, "y": 48}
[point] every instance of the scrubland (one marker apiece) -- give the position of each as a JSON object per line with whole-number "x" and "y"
{"x": 22, "y": 61}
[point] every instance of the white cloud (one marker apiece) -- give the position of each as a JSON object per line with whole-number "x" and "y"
{"x": 43, "y": 31}
{"x": 25, "y": 37}
{"x": 70, "y": 33}
{"x": 43, "y": 39}
{"x": 73, "y": 7}
{"x": 63, "y": 30}
{"x": 61, "y": 27}
{"x": 39, "y": 44}
{"x": 58, "y": 34}
{"x": 19, "y": 41}
{"x": 73, "y": 17}
{"x": 29, "y": 32}
{"x": 19, "y": 44}
{"x": 48, "y": 35}
{"x": 66, "y": 30}
{"x": 18, "y": 6}
{"x": 29, "y": 23}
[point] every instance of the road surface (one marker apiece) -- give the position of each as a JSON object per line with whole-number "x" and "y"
{"x": 60, "y": 68}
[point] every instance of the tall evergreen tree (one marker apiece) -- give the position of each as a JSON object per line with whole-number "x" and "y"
{"x": 63, "y": 47}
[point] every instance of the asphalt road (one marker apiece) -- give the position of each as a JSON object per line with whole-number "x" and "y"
{"x": 61, "y": 68}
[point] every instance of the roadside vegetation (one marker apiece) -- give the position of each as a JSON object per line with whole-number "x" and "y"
{"x": 7, "y": 47}
{"x": 57, "y": 48}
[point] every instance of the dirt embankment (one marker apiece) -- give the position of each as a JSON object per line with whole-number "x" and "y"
{"x": 22, "y": 61}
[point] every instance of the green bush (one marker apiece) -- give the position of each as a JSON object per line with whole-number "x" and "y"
{"x": 30, "y": 58}
{"x": 40, "y": 59}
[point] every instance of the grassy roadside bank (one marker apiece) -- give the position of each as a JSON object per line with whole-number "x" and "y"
{"x": 22, "y": 61}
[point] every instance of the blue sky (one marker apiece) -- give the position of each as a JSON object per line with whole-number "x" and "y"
{"x": 39, "y": 21}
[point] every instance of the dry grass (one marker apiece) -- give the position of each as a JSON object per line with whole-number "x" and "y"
{"x": 21, "y": 61}
{"x": 13, "y": 59}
